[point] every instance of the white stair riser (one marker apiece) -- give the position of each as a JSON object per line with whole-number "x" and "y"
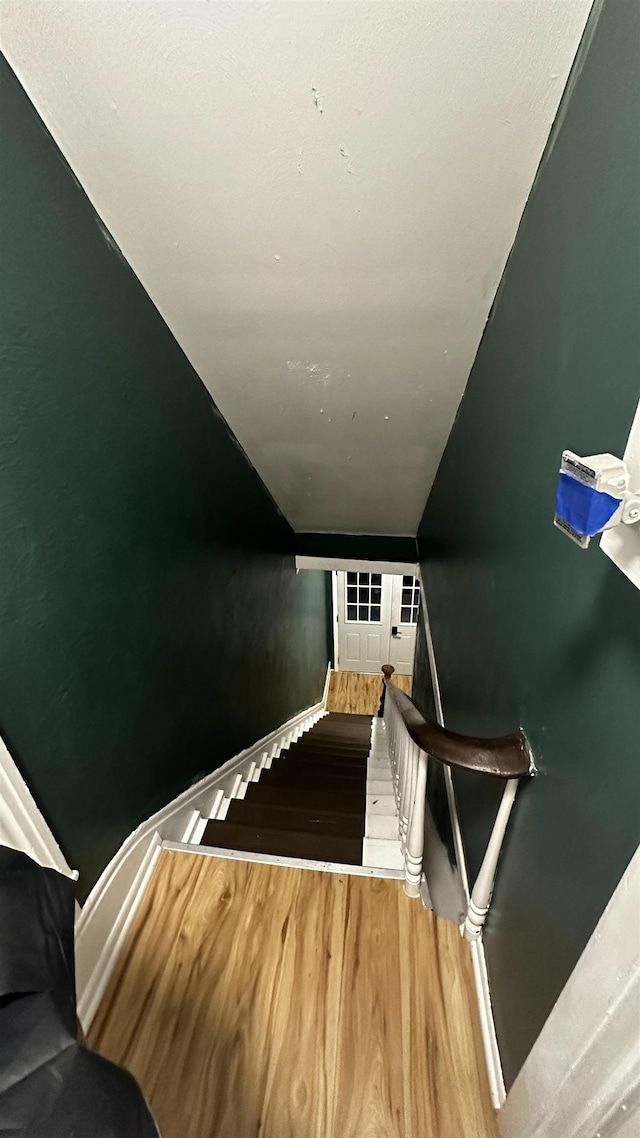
{"x": 379, "y": 786}
{"x": 383, "y": 804}
{"x": 381, "y": 826}
{"x": 381, "y": 846}
{"x": 383, "y": 854}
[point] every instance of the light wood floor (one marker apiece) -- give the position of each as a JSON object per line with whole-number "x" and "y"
{"x": 359, "y": 694}
{"x": 255, "y": 1001}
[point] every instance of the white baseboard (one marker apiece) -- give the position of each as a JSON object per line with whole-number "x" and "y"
{"x": 94, "y": 990}
{"x": 22, "y": 826}
{"x": 111, "y": 905}
{"x": 487, "y": 1024}
{"x": 334, "y": 620}
{"x": 327, "y": 682}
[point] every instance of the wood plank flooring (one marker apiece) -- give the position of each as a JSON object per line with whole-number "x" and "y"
{"x": 359, "y": 694}
{"x": 255, "y": 1001}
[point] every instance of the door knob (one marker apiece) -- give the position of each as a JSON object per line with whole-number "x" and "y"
{"x": 394, "y": 630}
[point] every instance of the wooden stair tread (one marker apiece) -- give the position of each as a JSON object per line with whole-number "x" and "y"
{"x": 351, "y": 801}
{"x": 346, "y": 717}
{"x": 329, "y": 761}
{"x": 285, "y": 843}
{"x": 300, "y": 777}
{"x": 358, "y": 731}
{"x": 304, "y": 819}
{"x": 329, "y": 743}
{"x": 359, "y": 739}
{"x": 311, "y": 748}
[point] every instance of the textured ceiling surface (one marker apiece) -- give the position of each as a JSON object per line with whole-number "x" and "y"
{"x": 320, "y": 199}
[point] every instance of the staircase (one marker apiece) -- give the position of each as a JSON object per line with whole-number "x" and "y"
{"x": 310, "y": 803}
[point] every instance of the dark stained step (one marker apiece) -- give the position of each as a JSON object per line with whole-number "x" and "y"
{"x": 355, "y": 730}
{"x": 351, "y": 801}
{"x": 339, "y": 788}
{"x": 308, "y": 754}
{"x": 301, "y": 818}
{"x": 360, "y": 727}
{"x": 326, "y": 770}
{"x": 322, "y": 785}
{"x": 303, "y": 775}
{"x": 339, "y": 738}
{"x": 311, "y": 743}
{"x": 311, "y": 740}
{"x": 285, "y": 843}
{"x": 338, "y": 771}
{"x": 345, "y": 727}
{"x": 320, "y": 748}
{"x": 310, "y": 803}
{"x": 333, "y": 730}
{"x": 346, "y": 718}
{"x": 329, "y": 741}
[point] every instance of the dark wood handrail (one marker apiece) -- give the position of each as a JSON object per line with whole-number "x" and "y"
{"x": 507, "y": 757}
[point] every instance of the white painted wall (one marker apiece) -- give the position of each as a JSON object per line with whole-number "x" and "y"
{"x": 320, "y": 198}
{"x": 582, "y": 1077}
{"x": 622, "y": 543}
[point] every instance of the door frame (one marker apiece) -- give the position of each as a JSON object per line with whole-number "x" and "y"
{"x": 350, "y": 565}
{"x": 334, "y": 619}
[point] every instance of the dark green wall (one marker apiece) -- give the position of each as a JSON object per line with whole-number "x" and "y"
{"x": 528, "y": 628}
{"x": 152, "y": 622}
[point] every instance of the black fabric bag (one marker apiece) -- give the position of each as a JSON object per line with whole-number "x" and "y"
{"x": 51, "y": 1084}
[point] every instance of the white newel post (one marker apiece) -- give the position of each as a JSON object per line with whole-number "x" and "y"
{"x": 483, "y": 888}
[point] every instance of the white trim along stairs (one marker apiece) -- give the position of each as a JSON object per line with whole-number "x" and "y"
{"x": 22, "y": 826}
{"x": 480, "y": 974}
{"x": 112, "y": 903}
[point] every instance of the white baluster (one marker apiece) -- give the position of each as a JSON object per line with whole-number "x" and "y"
{"x": 400, "y": 798}
{"x": 396, "y": 758}
{"x": 408, "y": 785}
{"x": 415, "y": 834}
{"x": 398, "y": 779}
{"x": 483, "y": 888}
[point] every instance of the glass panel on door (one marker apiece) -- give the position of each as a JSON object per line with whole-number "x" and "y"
{"x": 364, "y": 598}
{"x": 410, "y": 600}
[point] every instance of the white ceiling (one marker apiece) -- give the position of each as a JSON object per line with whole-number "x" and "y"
{"x": 320, "y": 198}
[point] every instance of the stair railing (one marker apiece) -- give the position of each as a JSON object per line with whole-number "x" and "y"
{"x": 412, "y": 739}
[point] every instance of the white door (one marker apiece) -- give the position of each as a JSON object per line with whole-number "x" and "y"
{"x": 405, "y": 606}
{"x": 377, "y": 617}
{"x": 364, "y": 611}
